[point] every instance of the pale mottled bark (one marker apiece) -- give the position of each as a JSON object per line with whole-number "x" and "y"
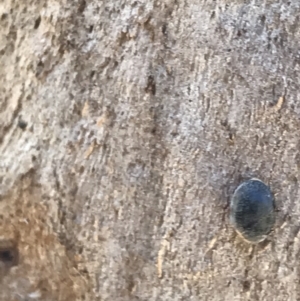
{"x": 141, "y": 119}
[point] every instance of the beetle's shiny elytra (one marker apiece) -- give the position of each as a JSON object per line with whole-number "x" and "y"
{"x": 252, "y": 210}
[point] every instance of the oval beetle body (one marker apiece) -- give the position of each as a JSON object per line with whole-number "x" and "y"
{"x": 252, "y": 210}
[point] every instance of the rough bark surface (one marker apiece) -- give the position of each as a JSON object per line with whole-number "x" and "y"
{"x": 125, "y": 126}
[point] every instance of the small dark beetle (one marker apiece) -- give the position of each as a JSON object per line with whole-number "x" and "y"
{"x": 22, "y": 124}
{"x": 252, "y": 210}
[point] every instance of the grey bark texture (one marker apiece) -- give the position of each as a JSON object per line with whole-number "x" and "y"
{"x": 125, "y": 127}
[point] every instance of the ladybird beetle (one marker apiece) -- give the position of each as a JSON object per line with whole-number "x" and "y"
{"x": 252, "y": 210}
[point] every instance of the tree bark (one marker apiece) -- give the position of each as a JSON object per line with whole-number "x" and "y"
{"x": 125, "y": 127}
